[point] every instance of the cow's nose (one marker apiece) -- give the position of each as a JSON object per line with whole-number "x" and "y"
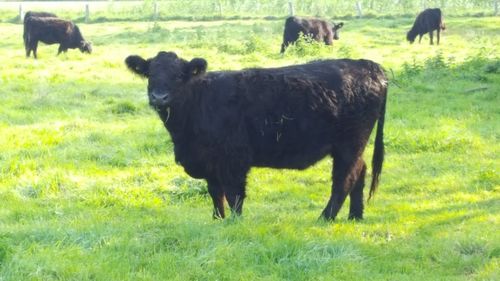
{"x": 159, "y": 99}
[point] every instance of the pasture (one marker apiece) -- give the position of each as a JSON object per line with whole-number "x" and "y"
{"x": 89, "y": 189}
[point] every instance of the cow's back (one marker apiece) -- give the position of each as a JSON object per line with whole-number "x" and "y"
{"x": 428, "y": 20}
{"x": 30, "y": 14}
{"x": 288, "y": 117}
{"x": 315, "y": 28}
{"x": 49, "y": 30}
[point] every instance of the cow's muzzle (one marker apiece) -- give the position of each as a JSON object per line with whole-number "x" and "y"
{"x": 159, "y": 99}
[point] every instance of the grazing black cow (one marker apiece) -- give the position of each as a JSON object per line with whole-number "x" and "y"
{"x": 223, "y": 123}
{"x": 50, "y": 30}
{"x": 30, "y": 14}
{"x": 317, "y": 29}
{"x": 426, "y": 22}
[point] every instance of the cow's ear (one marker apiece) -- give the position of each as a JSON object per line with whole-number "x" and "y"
{"x": 138, "y": 65}
{"x": 195, "y": 67}
{"x": 339, "y": 26}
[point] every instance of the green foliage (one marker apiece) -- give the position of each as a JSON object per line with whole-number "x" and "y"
{"x": 90, "y": 190}
{"x": 124, "y": 108}
{"x": 306, "y": 46}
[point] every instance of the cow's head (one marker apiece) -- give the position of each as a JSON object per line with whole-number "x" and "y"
{"x": 335, "y": 29}
{"x": 410, "y": 36}
{"x": 85, "y": 47}
{"x": 166, "y": 73}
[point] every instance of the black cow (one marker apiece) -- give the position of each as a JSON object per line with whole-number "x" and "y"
{"x": 223, "y": 123}
{"x": 50, "y": 30}
{"x": 426, "y": 22}
{"x": 317, "y": 29}
{"x": 30, "y": 14}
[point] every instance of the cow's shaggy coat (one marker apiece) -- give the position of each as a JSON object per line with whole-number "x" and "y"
{"x": 317, "y": 29}
{"x": 50, "y": 30}
{"x": 223, "y": 123}
{"x": 426, "y": 22}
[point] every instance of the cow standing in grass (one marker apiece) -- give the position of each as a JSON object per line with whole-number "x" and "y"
{"x": 50, "y": 30}
{"x": 223, "y": 123}
{"x": 426, "y": 22}
{"x": 317, "y": 29}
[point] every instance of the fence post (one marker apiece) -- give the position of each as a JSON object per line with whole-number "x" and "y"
{"x": 21, "y": 13}
{"x": 87, "y": 13}
{"x": 290, "y": 8}
{"x": 219, "y": 7}
{"x": 358, "y": 8}
{"x": 155, "y": 10}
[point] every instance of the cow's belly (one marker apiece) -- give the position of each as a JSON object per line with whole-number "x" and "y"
{"x": 291, "y": 143}
{"x": 49, "y": 41}
{"x": 291, "y": 154}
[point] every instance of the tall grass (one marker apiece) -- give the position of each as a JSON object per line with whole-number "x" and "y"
{"x": 89, "y": 189}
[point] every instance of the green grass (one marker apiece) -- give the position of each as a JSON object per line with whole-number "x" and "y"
{"x": 89, "y": 189}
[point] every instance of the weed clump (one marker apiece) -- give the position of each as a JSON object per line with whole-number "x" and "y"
{"x": 125, "y": 107}
{"x": 186, "y": 188}
{"x": 305, "y": 46}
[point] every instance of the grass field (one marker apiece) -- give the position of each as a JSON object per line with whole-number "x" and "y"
{"x": 89, "y": 189}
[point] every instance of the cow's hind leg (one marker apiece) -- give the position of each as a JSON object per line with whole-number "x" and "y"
{"x": 235, "y": 196}
{"x": 234, "y": 181}
{"x": 344, "y": 176}
{"x": 217, "y": 193}
{"x": 34, "y": 47}
{"x": 431, "y": 35}
{"x": 356, "y": 206}
{"x": 27, "y": 48}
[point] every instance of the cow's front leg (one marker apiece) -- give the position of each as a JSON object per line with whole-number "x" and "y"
{"x": 217, "y": 193}
{"x": 328, "y": 40}
{"x": 431, "y": 35}
{"x": 61, "y": 49}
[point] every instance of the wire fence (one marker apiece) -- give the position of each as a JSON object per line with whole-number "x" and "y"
{"x": 95, "y": 11}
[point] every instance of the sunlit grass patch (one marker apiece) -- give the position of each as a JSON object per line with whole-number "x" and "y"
{"x": 90, "y": 190}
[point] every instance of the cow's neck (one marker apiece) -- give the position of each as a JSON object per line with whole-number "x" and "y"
{"x": 174, "y": 119}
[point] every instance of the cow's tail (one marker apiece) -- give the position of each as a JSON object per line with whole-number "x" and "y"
{"x": 26, "y": 32}
{"x": 442, "y": 26}
{"x": 378, "y": 151}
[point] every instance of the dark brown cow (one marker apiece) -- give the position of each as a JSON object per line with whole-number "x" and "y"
{"x": 426, "y": 22}
{"x": 223, "y": 123}
{"x": 317, "y": 29}
{"x": 50, "y": 30}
